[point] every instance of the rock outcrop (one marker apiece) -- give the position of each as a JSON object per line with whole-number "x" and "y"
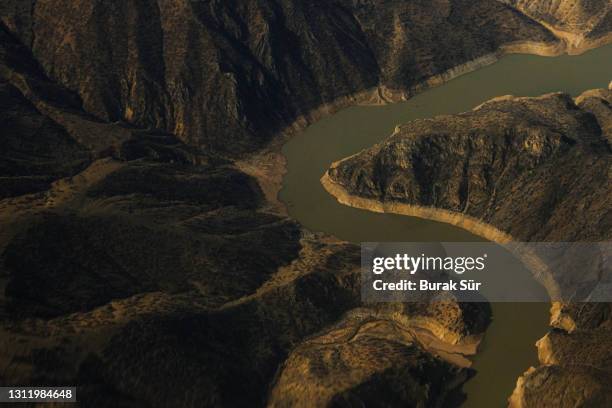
{"x": 149, "y": 272}
{"x": 525, "y": 169}
{"x": 229, "y": 75}
{"x": 166, "y": 284}
{"x": 139, "y": 262}
{"x": 578, "y": 23}
{"x": 548, "y": 151}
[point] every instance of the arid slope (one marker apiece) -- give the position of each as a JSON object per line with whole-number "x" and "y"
{"x": 524, "y": 169}
{"x": 140, "y": 263}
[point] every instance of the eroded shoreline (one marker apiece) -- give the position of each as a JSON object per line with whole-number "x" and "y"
{"x": 269, "y": 165}
{"x": 472, "y": 225}
{"x": 357, "y": 172}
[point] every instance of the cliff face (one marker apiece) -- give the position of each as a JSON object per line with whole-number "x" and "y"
{"x": 528, "y": 169}
{"x": 152, "y": 273}
{"x": 575, "y": 21}
{"x": 479, "y": 163}
{"x": 138, "y": 262}
{"x": 228, "y": 75}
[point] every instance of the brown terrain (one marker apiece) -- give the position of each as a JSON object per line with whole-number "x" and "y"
{"x": 513, "y": 169}
{"x": 140, "y": 261}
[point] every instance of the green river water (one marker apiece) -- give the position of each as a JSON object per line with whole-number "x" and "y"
{"x": 509, "y": 345}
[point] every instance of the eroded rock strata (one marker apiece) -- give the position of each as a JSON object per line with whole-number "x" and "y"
{"x": 229, "y": 75}
{"x": 166, "y": 284}
{"x": 139, "y": 261}
{"x": 577, "y": 23}
{"x": 158, "y": 268}
{"x": 149, "y": 272}
{"x": 524, "y": 169}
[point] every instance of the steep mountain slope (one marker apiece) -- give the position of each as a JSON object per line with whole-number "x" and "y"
{"x": 523, "y": 169}
{"x": 149, "y": 283}
{"x": 575, "y": 22}
{"x": 151, "y": 273}
{"x": 143, "y": 265}
{"x": 229, "y": 75}
{"x": 479, "y": 163}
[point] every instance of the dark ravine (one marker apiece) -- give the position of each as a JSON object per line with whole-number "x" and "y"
{"x": 133, "y": 245}
{"x": 524, "y": 169}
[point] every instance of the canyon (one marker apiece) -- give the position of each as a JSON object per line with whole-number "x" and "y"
{"x": 141, "y": 235}
{"x": 512, "y": 169}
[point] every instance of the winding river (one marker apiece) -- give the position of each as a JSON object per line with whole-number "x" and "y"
{"x": 508, "y": 348}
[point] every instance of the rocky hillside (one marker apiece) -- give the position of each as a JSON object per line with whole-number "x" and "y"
{"x": 548, "y": 151}
{"x": 576, "y": 22}
{"x": 149, "y": 272}
{"x": 157, "y": 278}
{"x": 150, "y": 283}
{"x": 524, "y": 169}
{"x": 140, "y": 263}
{"x": 229, "y": 75}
